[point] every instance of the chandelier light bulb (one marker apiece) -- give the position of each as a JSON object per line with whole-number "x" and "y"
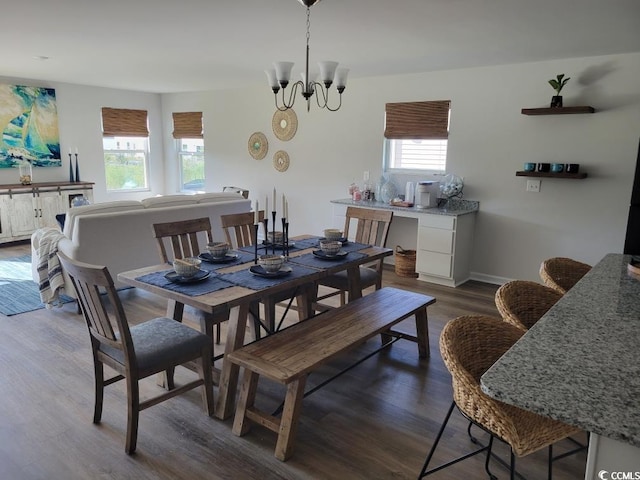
{"x": 327, "y": 72}
{"x": 341, "y": 79}
{"x": 283, "y": 72}
{"x": 272, "y": 79}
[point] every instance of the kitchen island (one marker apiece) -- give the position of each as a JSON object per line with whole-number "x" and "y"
{"x": 444, "y": 236}
{"x": 580, "y": 364}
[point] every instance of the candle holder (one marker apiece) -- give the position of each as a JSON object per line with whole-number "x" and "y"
{"x": 71, "y": 177}
{"x": 255, "y": 243}
{"x": 265, "y": 222}
{"x": 273, "y": 236}
{"x": 285, "y": 238}
{"x": 77, "y": 169}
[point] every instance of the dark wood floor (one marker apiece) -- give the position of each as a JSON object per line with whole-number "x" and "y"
{"x": 376, "y": 422}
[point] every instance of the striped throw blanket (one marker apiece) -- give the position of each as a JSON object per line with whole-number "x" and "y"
{"x": 49, "y": 269}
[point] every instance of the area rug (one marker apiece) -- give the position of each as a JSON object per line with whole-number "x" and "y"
{"x": 18, "y": 292}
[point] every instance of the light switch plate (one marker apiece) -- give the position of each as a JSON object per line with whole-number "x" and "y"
{"x": 533, "y": 186}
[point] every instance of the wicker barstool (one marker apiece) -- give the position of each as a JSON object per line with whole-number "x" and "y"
{"x": 522, "y": 303}
{"x": 562, "y": 273}
{"x": 469, "y": 346}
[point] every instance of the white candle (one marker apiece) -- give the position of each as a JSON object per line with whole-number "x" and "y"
{"x": 69, "y": 150}
{"x": 266, "y": 203}
{"x": 256, "y": 216}
{"x": 76, "y": 150}
{"x": 286, "y": 209}
{"x": 284, "y": 212}
{"x": 274, "y": 199}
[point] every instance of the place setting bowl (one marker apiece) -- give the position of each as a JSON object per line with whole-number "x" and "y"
{"x": 270, "y": 266}
{"x": 334, "y": 234}
{"x": 187, "y": 270}
{"x": 330, "y": 250}
{"x": 219, "y": 252}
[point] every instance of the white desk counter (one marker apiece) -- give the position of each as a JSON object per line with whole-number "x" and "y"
{"x": 444, "y": 237}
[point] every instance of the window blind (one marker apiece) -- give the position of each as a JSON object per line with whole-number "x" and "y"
{"x": 122, "y": 122}
{"x": 417, "y": 120}
{"x": 187, "y": 125}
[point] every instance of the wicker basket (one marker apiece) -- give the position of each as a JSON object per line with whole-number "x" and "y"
{"x": 405, "y": 262}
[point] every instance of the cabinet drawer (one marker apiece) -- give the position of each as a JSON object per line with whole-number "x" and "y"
{"x": 438, "y": 221}
{"x": 432, "y": 263}
{"x": 435, "y": 240}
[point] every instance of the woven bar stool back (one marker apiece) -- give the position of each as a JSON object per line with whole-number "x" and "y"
{"x": 562, "y": 273}
{"x": 522, "y": 303}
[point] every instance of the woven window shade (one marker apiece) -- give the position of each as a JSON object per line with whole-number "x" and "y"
{"x": 122, "y": 122}
{"x": 417, "y": 120}
{"x": 187, "y": 125}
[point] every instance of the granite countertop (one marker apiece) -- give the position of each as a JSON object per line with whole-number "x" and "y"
{"x": 452, "y": 207}
{"x": 580, "y": 363}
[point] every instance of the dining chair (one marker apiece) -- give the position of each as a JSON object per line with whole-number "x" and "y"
{"x": 181, "y": 240}
{"x": 239, "y": 228}
{"x": 239, "y": 232}
{"x": 469, "y": 345}
{"x": 136, "y": 352}
{"x": 561, "y": 273}
{"x": 372, "y": 228}
{"x": 522, "y": 303}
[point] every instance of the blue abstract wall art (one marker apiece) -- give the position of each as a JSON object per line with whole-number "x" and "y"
{"x": 28, "y": 126}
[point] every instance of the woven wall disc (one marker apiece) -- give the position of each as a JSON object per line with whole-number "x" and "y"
{"x": 284, "y": 124}
{"x": 281, "y": 161}
{"x": 258, "y": 145}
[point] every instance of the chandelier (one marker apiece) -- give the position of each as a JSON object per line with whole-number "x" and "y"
{"x": 280, "y": 76}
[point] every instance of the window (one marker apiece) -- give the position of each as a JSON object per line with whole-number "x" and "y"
{"x": 187, "y": 132}
{"x": 416, "y": 136}
{"x": 126, "y": 149}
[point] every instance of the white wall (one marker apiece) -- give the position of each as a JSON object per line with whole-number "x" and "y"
{"x": 490, "y": 140}
{"x": 80, "y": 125}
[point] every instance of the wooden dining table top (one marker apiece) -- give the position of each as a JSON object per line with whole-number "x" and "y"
{"x": 232, "y": 296}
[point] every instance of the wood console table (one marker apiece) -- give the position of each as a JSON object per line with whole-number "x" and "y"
{"x": 25, "y": 208}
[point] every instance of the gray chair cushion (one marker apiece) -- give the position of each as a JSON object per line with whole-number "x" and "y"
{"x": 368, "y": 278}
{"x": 158, "y": 342}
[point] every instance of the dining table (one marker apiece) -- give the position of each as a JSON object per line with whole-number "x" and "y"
{"x": 230, "y": 288}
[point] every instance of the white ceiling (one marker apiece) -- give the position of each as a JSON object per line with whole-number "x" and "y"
{"x": 193, "y": 45}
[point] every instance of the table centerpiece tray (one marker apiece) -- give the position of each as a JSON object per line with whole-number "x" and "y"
{"x": 277, "y": 246}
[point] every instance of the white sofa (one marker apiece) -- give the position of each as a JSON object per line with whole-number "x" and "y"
{"x": 119, "y": 234}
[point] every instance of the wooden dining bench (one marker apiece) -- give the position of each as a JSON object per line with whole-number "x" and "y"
{"x": 288, "y": 356}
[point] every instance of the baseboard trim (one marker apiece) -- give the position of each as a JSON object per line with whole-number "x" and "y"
{"x": 493, "y": 279}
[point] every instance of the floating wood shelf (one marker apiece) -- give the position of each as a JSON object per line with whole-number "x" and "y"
{"x": 575, "y": 176}
{"x": 557, "y": 110}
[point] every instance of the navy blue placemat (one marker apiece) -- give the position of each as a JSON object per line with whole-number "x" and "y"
{"x": 209, "y": 285}
{"x": 310, "y": 260}
{"x": 245, "y": 278}
{"x": 243, "y": 257}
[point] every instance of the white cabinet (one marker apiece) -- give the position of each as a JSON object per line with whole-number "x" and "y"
{"x": 25, "y": 208}
{"x": 444, "y": 248}
{"x": 444, "y": 238}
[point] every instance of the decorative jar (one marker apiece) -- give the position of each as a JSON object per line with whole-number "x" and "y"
{"x": 26, "y": 173}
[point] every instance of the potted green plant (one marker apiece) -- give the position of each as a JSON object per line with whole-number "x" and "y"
{"x": 557, "y": 84}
